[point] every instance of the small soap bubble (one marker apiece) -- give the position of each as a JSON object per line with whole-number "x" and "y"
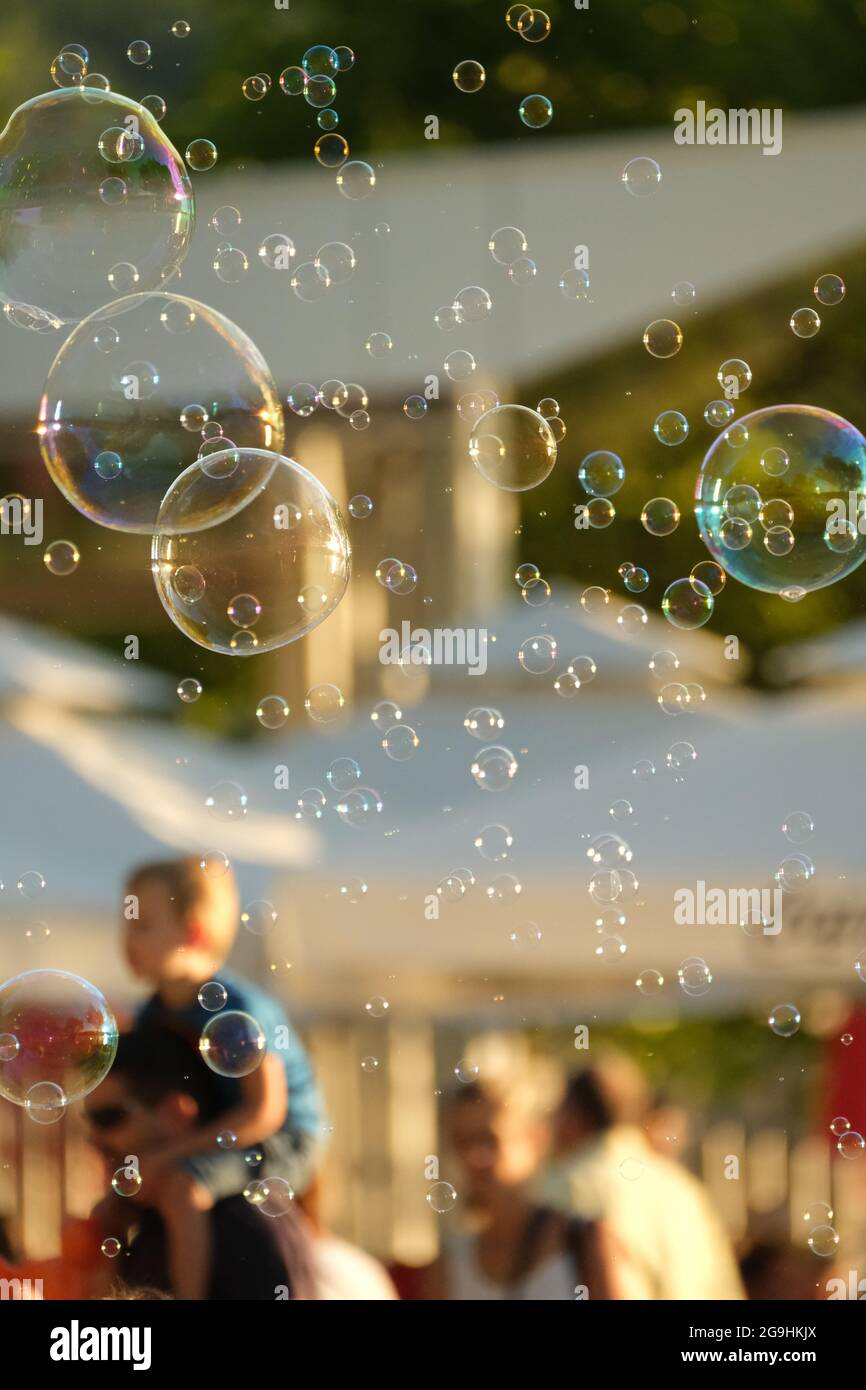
{"x": 469, "y": 76}
{"x": 784, "y": 1020}
{"x": 663, "y": 338}
{"x": 829, "y": 289}
{"x": 232, "y": 1043}
{"x": 201, "y": 155}
{"x": 642, "y": 176}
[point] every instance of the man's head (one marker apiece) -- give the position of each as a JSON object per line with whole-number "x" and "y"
{"x": 610, "y": 1092}
{"x": 498, "y": 1135}
{"x": 186, "y": 920}
{"x": 157, "y": 1090}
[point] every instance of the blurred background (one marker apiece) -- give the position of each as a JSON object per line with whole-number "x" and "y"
{"x": 104, "y": 766}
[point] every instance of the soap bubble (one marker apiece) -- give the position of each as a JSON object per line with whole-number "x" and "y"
{"x": 459, "y": 365}
{"x": 260, "y": 527}
{"x": 311, "y": 804}
{"x": 473, "y": 304}
{"x": 683, "y": 293}
{"x": 671, "y": 427}
{"x": 687, "y": 603}
{"x": 601, "y": 473}
{"x": 232, "y": 1043}
{"x": 126, "y": 1181}
{"x": 827, "y": 462}
{"x": 507, "y": 245}
{"x": 442, "y": 1198}
{"x": 356, "y": 179}
{"x": 379, "y": 344}
{"x": 483, "y": 722}
{"x": 272, "y": 712}
{"x": 65, "y": 1039}
{"x": 641, "y": 176}
{"x": 575, "y": 283}
{"x": 735, "y": 376}
{"x": 663, "y": 338}
{"x": 189, "y": 690}
{"x": 694, "y": 976}
{"x": 331, "y": 151}
{"x": 494, "y": 842}
{"x": 253, "y": 88}
{"x": 61, "y": 557}
{"x": 360, "y": 807}
{"x": 400, "y": 743}
{"x": 181, "y": 29}
{"x": 535, "y": 111}
{"x": 319, "y": 61}
{"x": 829, "y": 289}
{"x": 660, "y": 516}
{"x": 138, "y": 52}
{"x": 522, "y": 271}
{"x": 201, "y": 155}
{"x": 337, "y": 260}
{"x": 805, "y": 323}
{"x": 227, "y": 801}
{"x": 59, "y": 236}
{"x": 293, "y": 80}
{"x": 343, "y": 774}
{"x": 415, "y": 407}
{"x": 213, "y": 996}
{"x": 718, "y": 413}
{"x": 537, "y": 655}
{"x": 784, "y": 1020}
{"x": 259, "y": 917}
{"x": 532, "y": 25}
{"x": 494, "y": 768}
{"x": 132, "y": 400}
{"x": 823, "y": 1241}
{"x": 324, "y": 702}
{"x": 468, "y": 76}
{"x": 513, "y": 447}
{"x": 798, "y": 827}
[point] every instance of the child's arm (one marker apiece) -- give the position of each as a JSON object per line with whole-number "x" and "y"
{"x": 262, "y": 1111}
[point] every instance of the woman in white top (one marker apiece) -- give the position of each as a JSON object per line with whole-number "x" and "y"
{"x": 512, "y": 1248}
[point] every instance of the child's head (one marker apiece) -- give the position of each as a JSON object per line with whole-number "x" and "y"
{"x": 186, "y": 922}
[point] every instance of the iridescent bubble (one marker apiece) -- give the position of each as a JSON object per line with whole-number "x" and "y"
{"x": 575, "y": 284}
{"x": 60, "y": 1036}
{"x": 827, "y": 466}
{"x": 292, "y": 81}
{"x": 671, "y": 427}
{"x": 272, "y": 712}
{"x": 359, "y": 807}
{"x": 356, "y": 180}
{"x": 533, "y": 25}
{"x": 636, "y": 580}
{"x": 537, "y": 655}
{"x": 58, "y": 241}
{"x": 400, "y": 743}
{"x": 687, "y": 603}
{"x": 601, "y": 473}
{"x": 469, "y": 76}
{"x": 473, "y": 304}
{"x": 138, "y": 52}
{"x": 415, "y": 407}
{"x": 784, "y": 1020}
{"x": 660, "y": 516}
{"x": 213, "y": 996}
{"x": 536, "y": 111}
{"x": 718, "y": 413}
{"x": 276, "y": 251}
{"x": 460, "y": 364}
{"x": 694, "y": 976}
{"x": 641, "y": 176}
{"x": 735, "y": 376}
{"x": 61, "y": 557}
{"x": 324, "y": 702}
{"x": 126, "y": 1181}
{"x": 522, "y": 271}
{"x": 494, "y": 842}
{"x": 360, "y": 507}
{"x": 379, "y": 344}
{"x": 189, "y": 690}
{"x": 297, "y": 572}
{"x": 442, "y": 1198}
{"x": 805, "y": 323}
{"x": 303, "y": 398}
{"x": 494, "y": 768}
{"x": 232, "y": 1043}
{"x": 331, "y": 151}
{"x": 507, "y": 245}
{"x": 513, "y": 448}
{"x": 663, "y": 338}
{"x": 259, "y": 917}
{"x": 227, "y": 801}
{"x": 165, "y": 351}
{"x": 829, "y": 289}
{"x": 201, "y": 155}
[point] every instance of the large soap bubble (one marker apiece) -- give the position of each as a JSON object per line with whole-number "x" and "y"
{"x": 780, "y": 496}
{"x": 513, "y": 447}
{"x": 250, "y": 552}
{"x": 58, "y": 1039}
{"x": 91, "y": 192}
{"x": 137, "y": 390}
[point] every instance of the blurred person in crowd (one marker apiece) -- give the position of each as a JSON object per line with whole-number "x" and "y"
{"x": 180, "y": 938}
{"x": 341, "y": 1271}
{"x": 511, "y": 1247}
{"x": 158, "y": 1091}
{"x": 670, "y": 1241}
